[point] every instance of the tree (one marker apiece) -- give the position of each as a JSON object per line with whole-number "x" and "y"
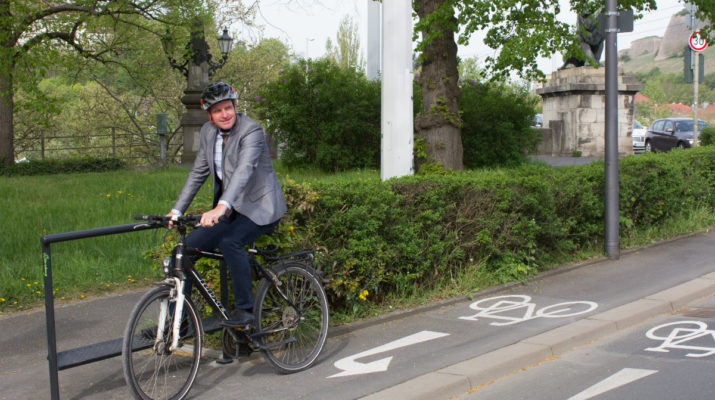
{"x": 35, "y": 34}
{"x": 519, "y": 32}
{"x": 250, "y": 67}
{"x": 438, "y": 123}
{"x": 346, "y": 51}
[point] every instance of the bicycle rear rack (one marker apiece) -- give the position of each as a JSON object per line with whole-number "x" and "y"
{"x": 102, "y": 350}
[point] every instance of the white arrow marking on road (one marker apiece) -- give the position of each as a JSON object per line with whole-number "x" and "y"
{"x": 352, "y": 367}
{"x": 620, "y": 378}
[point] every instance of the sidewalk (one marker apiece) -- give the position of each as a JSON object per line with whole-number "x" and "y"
{"x": 690, "y": 262}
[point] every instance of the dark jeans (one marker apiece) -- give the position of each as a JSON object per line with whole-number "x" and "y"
{"x": 230, "y": 236}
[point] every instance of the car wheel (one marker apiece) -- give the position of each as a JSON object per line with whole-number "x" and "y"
{"x": 648, "y": 147}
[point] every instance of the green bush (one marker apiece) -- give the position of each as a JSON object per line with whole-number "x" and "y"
{"x": 496, "y": 125}
{"x": 406, "y": 236}
{"x": 707, "y": 136}
{"x": 323, "y": 116}
{"x": 73, "y": 165}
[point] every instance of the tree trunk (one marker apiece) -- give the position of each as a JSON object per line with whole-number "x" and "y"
{"x": 7, "y": 150}
{"x": 438, "y": 124}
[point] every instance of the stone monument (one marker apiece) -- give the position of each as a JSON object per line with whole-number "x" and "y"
{"x": 574, "y": 101}
{"x": 574, "y": 110}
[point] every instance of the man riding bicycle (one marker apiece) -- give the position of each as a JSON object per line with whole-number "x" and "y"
{"x": 248, "y": 200}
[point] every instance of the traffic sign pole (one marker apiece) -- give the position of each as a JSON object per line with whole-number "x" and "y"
{"x": 697, "y": 44}
{"x": 696, "y": 78}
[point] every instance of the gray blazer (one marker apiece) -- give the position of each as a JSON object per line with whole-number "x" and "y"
{"x": 252, "y": 186}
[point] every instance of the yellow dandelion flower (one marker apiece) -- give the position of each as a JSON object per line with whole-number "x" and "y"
{"x": 2, "y": 299}
{"x": 38, "y": 292}
{"x": 35, "y": 282}
{"x": 363, "y": 295}
{"x": 81, "y": 296}
{"x": 22, "y": 279}
{"x": 62, "y": 298}
{"x": 28, "y": 285}
{"x": 108, "y": 195}
{"x": 107, "y": 285}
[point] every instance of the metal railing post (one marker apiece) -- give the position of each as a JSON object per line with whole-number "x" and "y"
{"x": 50, "y": 322}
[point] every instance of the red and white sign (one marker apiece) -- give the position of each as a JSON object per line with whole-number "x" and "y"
{"x": 697, "y": 43}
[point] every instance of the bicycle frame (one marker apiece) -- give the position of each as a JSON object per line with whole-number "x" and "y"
{"x": 177, "y": 277}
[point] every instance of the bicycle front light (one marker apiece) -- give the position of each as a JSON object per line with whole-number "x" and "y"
{"x": 166, "y": 263}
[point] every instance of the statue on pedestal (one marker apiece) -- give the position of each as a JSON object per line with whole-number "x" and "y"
{"x": 591, "y": 40}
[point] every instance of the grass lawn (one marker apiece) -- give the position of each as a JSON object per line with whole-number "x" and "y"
{"x": 39, "y": 205}
{"x": 34, "y": 206}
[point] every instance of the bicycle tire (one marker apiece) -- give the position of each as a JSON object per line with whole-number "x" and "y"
{"x": 295, "y": 349}
{"x": 150, "y": 370}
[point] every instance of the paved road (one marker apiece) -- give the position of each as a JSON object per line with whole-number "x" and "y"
{"x": 666, "y": 357}
{"x": 434, "y": 352}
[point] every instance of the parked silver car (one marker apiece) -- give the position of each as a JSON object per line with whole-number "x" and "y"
{"x": 638, "y": 136}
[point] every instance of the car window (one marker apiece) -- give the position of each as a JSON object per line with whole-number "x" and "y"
{"x": 636, "y": 125}
{"x": 702, "y": 125}
{"x": 668, "y": 125}
{"x": 657, "y": 126}
{"x": 684, "y": 126}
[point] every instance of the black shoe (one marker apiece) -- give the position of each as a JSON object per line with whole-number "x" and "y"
{"x": 239, "y": 319}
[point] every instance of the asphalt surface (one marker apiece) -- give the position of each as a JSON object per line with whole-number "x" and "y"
{"x": 663, "y": 358}
{"x": 474, "y": 343}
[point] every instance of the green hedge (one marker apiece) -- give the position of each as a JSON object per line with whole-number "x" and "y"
{"x": 707, "y": 136}
{"x": 73, "y": 165}
{"x": 406, "y": 236}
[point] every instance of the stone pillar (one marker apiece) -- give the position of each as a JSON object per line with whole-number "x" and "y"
{"x": 195, "y": 117}
{"x": 575, "y": 100}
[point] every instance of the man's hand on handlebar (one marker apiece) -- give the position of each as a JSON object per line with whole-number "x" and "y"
{"x": 172, "y": 216}
{"x": 211, "y": 218}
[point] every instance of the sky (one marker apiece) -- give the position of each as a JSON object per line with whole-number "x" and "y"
{"x": 305, "y": 25}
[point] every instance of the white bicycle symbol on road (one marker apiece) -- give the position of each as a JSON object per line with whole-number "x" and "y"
{"x": 504, "y": 307}
{"x": 680, "y": 332}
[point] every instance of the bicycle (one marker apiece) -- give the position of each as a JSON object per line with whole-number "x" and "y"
{"x": 163, "y": 339}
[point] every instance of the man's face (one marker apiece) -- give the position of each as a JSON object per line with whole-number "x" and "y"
{"x": 223, "y": 114}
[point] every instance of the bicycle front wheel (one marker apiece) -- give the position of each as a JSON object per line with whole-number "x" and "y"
{"x": 151, "y": 369}
{"x": 292, "y": 337}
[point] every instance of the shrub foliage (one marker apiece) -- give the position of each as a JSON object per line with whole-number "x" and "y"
{"x": 496, "y": 124}
{"x": 73, "y": 165}
{"x": 323, "y": 116}
{"x": 408, "y": 235}
{"x": 707, "y": 136}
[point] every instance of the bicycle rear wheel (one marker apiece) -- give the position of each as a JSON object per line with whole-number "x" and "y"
{"x": 292, "y": 338}
{"x": 151, "y": 370}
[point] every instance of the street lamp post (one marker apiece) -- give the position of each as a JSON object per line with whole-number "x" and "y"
{"x": 197, "y": 68}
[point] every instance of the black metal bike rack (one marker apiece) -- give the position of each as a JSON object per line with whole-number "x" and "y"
{"x": 102, "y": 350}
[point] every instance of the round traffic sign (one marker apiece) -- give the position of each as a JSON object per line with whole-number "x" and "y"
{"x": 697, "y": 43}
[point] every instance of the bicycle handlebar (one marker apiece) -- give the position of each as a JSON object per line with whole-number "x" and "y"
{"x": 161, "y": 220}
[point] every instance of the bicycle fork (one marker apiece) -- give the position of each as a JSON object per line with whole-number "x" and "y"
{"x": 177, "y": 294}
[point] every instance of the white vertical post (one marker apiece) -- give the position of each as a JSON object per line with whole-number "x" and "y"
{"x": 397, "y": 119}
{"x": 373, "y": 39}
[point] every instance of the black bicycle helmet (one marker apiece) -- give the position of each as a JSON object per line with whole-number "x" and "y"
{"x": 216, "y": 93}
